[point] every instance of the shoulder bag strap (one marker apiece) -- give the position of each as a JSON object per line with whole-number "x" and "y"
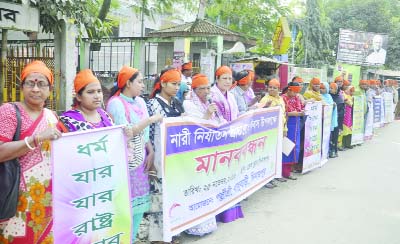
{"x": 18, "y": 130}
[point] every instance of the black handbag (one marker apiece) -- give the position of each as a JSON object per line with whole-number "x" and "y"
{"x": 9, "y": 179}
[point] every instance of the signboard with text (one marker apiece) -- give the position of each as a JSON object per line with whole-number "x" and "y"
{"x": 19, "y": 17}
{"x": 362, "y": 48}
{"x": 208, "y": 169}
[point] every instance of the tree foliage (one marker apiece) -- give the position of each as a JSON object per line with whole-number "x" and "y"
{"x": 314, "y": 37}
{"x": 255, "y": 19}
{"x": 320, "y": 24}
{"x": 151, "y": 8}
{"x": 88, "y": 15}
{"x": 368, "y": 16}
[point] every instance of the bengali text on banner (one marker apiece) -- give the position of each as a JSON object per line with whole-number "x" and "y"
{"x": 91, "y": 201}
{"x": 312, "y": 136}
{"x": 208, "y": 169}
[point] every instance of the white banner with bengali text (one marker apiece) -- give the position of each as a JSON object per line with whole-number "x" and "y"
{"x": 91, "y": 197}
{"x": 312, "y": 136}
{"x": 208, "y": 169}
{"x": 326, "y": 133}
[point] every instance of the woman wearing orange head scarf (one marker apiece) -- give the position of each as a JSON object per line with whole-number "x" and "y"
{"x": 272, "y": 99}
{"x": 243, "y": 79}
{"x": 199, "y": 106}
{"x": 345, "y": 137}
{"x": 33, "y": 221}
{"x": 87, "y": 112}
{"x": 227, "y": 110}
{"x": 312, "y": 92}
{"x": 299, "y": 80}
{"x": 162, "y": 101}
{"x": 251, "y": 98}
{"x": 222, "y": 97}
{"x": 127, "y": 108}
{"x": 295, "y": 112}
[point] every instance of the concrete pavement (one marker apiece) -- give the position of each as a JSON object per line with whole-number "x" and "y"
{"x": 353, "y": 199}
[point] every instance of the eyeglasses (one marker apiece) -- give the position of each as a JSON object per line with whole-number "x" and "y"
{"x": 40, "y": 84}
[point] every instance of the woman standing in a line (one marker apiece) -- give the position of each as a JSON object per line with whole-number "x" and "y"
{"x": 128, "y": 108}
{"x": 33, "y": 222}
{"x": 162, "y": 101}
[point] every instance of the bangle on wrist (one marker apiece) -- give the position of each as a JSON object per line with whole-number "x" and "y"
{"x": 27, "y": 144}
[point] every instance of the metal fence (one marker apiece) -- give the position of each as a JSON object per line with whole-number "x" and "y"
{"x": 19, "y": 53}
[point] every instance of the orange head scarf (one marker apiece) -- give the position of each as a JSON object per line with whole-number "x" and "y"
{"x": 338, "y": 78}
{"x": 296, "y": 89}
{"x": 363, "y": 82}
{"x": 274, "y": 83}
{"x": 223, "y": 70}
{"x": 172, "y": 75}
{"x": 37, "y": 67}
{"x": 346, "y": 83}
{"x": 83, "y": 78}
{"x": 187, "y": 66}
{"x": 199, "y": 80}
{"x": 124, "y": 75}
{"x": 333, "y": 85}
{"x": 315, "y": 81}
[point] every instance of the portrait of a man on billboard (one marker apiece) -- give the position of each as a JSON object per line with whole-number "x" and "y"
{"x": 377, "y": 54}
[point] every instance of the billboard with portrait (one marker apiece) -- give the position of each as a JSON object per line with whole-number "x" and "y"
{"x": 362, "y": 48}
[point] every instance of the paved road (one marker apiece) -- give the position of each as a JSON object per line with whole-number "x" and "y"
{"x": 353, "y": 199}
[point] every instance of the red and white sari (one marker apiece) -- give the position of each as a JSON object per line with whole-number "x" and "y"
{"x": 34, "y": 221}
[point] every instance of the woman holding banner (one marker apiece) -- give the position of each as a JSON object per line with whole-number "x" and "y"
{"x": 162, "y": 101}
{"x": 348, "y": 117}
{"x": 326, "y": 91}
{"x": 200, "y": 107}
{"x": 86, "y": 112}
{"x": 33, "y": 222}
{"x": 300, "y": 80}
{"x": 294, "y": 112}
{"x": 128, "y": 108}
{"x": 339, "y": 103}
{"x": 227, "y": 110}
{"x": 272, "y": 99}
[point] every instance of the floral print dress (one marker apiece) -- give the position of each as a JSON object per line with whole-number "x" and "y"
{"x": 34, "y": 221}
